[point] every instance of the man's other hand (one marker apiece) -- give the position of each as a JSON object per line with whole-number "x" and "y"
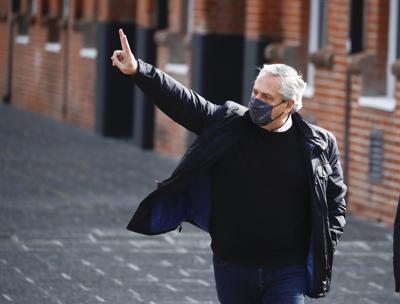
{"x": 123, "y": 59}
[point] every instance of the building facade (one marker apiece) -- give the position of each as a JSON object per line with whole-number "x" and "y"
{"x": 55, "y": 60}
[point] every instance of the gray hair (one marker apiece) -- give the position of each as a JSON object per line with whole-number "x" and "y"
{"x": 292, "y": 83}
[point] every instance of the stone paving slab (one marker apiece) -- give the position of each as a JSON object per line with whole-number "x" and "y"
{"x": 66, "y": 196}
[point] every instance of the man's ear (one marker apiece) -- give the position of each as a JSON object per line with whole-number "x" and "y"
{"x": 289, "y": 105}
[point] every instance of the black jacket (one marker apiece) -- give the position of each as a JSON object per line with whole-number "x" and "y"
{"x": 396, "y": 248}
{"x": 185, "y": 195}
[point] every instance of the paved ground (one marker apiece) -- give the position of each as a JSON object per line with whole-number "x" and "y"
{"x": 66, "y": 196}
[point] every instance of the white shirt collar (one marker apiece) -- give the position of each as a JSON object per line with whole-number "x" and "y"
{"x": 286, "y": 126}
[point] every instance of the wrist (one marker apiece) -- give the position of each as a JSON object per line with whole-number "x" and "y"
{"x": 135, "y": 68}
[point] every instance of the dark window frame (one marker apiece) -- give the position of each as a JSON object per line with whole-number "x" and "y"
{"x": 45, "y": 7}
{"x": 25, "y": 16}
{"x": 357, "y": 26}
{"x": 162, "y": 14}
{"x": 78, "y": 9}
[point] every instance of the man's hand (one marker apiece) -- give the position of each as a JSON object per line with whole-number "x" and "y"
{"x": 124, "y": 59}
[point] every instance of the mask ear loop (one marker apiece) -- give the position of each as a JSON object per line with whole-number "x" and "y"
{"x": 272, "y": 130}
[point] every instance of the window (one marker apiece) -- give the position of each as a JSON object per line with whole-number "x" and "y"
{"x": 22, "y": 26}
{"x": 162, "y": 14}
{"x": 33, "y": 7}
{"x": 356, "y": 35}
{"x": 16, "y": 6}
{"x": 89, "y": 35}
{"x": 27, "y": 12}
{"x": 317, "y": 37}
{"x": 51, "y": 18}
{"x": 78, "y": 9}
{"x": 88, "y": 28}
{"x": 387, "y": 102}
{"x": 45, "y": 8}
{"x": 65, "y": 9}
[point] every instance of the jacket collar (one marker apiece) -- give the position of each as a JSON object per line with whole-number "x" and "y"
{"x": 309, "y": 132}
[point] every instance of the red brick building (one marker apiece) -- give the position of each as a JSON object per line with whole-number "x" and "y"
{"x": 55, "y": 60}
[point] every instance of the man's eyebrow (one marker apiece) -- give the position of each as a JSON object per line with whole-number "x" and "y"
{"x": 265, "y": 94}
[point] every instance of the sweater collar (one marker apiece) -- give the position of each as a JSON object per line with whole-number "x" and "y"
{"x": 286, "y": 126}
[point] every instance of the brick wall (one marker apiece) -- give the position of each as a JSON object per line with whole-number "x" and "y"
{"x": 118, "y": 11}
{"x": 177, "y": 17}
{"x": 60, "y": 84}
{"x": 263, "y": 18}
{"x": 81, "y": 84}
{"x": 295, "y": 21}
{"x": 28, "y": 66}
{"x": 39, "y": 75}
{"x": 376, "y": 200}
{"x": 213, "y": 16}
{"x": 146, "y": 13}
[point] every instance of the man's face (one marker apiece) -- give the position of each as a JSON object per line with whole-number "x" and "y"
{"x": 266, "y": 88}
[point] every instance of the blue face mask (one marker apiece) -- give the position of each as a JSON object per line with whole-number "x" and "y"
{"x": 261, "y": 112}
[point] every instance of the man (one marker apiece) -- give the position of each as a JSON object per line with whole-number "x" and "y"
{"x": 396, "y": 249}
{"x": 264, "y": 183}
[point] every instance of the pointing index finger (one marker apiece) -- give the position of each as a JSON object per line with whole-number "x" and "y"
{"x": 124, "y": 41}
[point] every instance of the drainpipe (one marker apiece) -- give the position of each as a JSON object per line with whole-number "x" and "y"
{"x": 65, "y": 27}
{"x": 14, "y": 7}
{"x": 347, "y": 123}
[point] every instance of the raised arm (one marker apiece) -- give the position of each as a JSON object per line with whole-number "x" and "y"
{"x": 184, "y": 106}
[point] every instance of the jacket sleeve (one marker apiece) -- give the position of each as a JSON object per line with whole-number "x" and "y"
{"x": 396, "y": 249}
{"x": 336, "y": 192}
{"x": 182, "y": 105}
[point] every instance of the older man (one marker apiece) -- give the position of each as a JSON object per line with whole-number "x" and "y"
{"x": 264, "y": 183}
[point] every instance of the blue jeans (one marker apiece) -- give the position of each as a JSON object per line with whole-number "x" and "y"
{"x": 238, "y": 284}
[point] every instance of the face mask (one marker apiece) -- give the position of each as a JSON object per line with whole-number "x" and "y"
{"x": 261, "y": 112}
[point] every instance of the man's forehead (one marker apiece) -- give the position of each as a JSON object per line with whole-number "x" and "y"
{"x": 267, "y": 83}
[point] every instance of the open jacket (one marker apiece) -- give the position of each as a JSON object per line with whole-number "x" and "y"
{"x": 185, "y": 195}
{"x": 396, "y": 248}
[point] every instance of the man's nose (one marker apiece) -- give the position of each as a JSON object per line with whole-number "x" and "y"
{"x": 258, "y": 96}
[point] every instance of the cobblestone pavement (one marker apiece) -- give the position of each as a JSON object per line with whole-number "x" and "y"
{"x": 66, "y": 196}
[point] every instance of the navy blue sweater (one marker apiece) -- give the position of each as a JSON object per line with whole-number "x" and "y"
{"x": 260, "y": 193}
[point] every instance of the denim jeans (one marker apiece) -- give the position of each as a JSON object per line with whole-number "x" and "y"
{"x": 237, "y": 284}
